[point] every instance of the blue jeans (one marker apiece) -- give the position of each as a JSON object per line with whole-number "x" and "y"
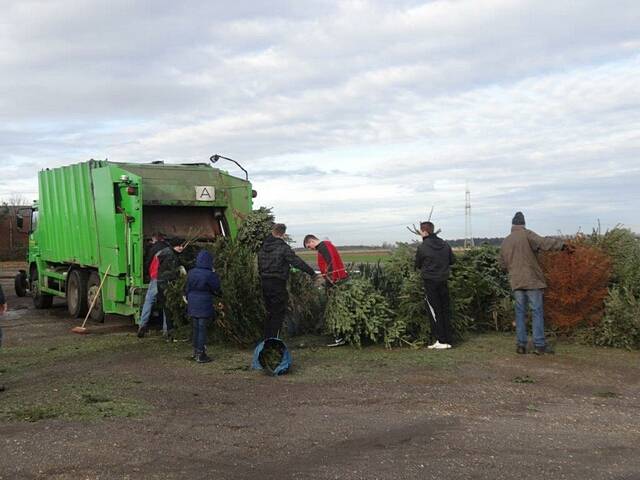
{"x": 534, "y": 299}
{"x": 199, "y": 333}
{"x": 149, "y": 302}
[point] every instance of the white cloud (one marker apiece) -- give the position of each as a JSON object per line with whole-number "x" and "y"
{"x": 535, "y": 104}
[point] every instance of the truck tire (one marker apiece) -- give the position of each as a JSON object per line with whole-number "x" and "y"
{"x": 40, "y": 300}
{"x": 21, "y": 284}
{"x": 77, "y": 292}
{"x": 97, "y": 313}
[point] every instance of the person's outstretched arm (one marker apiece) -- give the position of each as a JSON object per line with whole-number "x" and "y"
{"x": 295, "y": 261}
{"x": 539, "y": 243}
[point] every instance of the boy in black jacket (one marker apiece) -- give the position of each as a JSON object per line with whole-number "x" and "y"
{"x": 275, "y": 258}
{"x": 434, "y": 259}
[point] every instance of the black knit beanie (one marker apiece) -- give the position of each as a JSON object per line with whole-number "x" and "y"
{"x": 518, "y": 219}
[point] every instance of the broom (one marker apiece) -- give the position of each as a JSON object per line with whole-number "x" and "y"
{"x": 82, "y": 329}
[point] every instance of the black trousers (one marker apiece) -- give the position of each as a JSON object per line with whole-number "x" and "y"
{"x": 436, "y": 296}
{"x": 276, "y": 300}
{"x": 161, "y": 302}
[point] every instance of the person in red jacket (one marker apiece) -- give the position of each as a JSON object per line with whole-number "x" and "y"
{"x": 329, "y": 259}
{"x": 330, "y": 264}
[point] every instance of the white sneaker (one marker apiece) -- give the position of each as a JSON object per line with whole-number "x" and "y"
{"x": 337, "y": 343}
{"x": 434, "y": 345}
{"x": 442, "y": 346}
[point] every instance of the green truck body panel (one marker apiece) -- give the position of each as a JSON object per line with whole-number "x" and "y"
{"x": 99, "y": 214}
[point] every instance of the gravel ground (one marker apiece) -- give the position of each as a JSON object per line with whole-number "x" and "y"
{"x": 477, "y": 412}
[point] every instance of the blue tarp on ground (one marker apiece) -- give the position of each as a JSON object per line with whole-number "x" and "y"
{"x": 285, "y": 362}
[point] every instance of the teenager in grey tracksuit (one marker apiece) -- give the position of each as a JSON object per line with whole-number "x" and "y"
{"x": 434, "y": 259}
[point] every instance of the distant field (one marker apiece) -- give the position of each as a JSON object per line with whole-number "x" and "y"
{"x": 350, "y": 256}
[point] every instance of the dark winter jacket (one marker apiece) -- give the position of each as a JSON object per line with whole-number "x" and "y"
{"x": 434, "y": 259}
{"x": 202, "y": 284}
{"x": 151, "y": 252}
{"x": 168, "y": 270}
{"x": 275, "y": 258}
{"x": 519, "y": 256}
{"x": 2, "y": 299}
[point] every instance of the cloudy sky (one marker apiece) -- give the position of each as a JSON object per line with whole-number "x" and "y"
{"x": 352, "y": 117}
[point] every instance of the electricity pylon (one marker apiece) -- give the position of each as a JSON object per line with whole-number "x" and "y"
{"x": 468, "y": 236}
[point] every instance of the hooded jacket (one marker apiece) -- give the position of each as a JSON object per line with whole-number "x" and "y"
{"x": 519, "y": 256}
{"x": 276, "y": 257}
{"x": 434, "y": 259}
{"x": 202, "y": 284}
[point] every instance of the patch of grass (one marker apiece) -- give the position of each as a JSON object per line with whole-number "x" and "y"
{"x": 30, "y": 413}
{"x": 606, "y": 394}
{"x": 94, "y": 398}
{"x": 21, "y": 358}
{"x": 71, "y": 402}
{"x": 313, "y": 362}
{"x": 532, "y": 408}
{"x": 523, "y": 379}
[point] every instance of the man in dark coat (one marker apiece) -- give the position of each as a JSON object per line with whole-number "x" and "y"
{"x": 202, "y": 284}
{"x": 157, "y": 243}
{"x": 151, "y": 272}
{"x": 434, "y": 259}
{"x": 168, "y": 271}
{"x": 519, "y": 256}
{"x": 275, "y": 258}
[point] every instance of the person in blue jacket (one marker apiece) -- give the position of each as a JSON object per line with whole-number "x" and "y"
{"x": 202, "y": 284}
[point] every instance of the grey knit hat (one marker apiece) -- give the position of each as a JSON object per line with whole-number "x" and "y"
{"x": 518, "y": 219}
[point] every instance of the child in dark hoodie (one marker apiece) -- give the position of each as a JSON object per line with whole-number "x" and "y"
{"x": 202, "y": 284}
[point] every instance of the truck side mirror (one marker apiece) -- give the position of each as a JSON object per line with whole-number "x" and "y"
{"x": 19, "y": 221}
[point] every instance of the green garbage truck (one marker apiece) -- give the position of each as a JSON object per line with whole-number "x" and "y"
{"x": 93, "y": 220}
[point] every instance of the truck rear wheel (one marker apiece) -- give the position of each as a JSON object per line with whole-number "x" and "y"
{"x": 40, "y": 300}
{"x": 77, "y": 293}
{"x": 21, "y": 284}
{"x": 97, "y": 313}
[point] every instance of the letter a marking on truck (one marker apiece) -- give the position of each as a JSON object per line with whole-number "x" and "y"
{"x": 205, "y": 193}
